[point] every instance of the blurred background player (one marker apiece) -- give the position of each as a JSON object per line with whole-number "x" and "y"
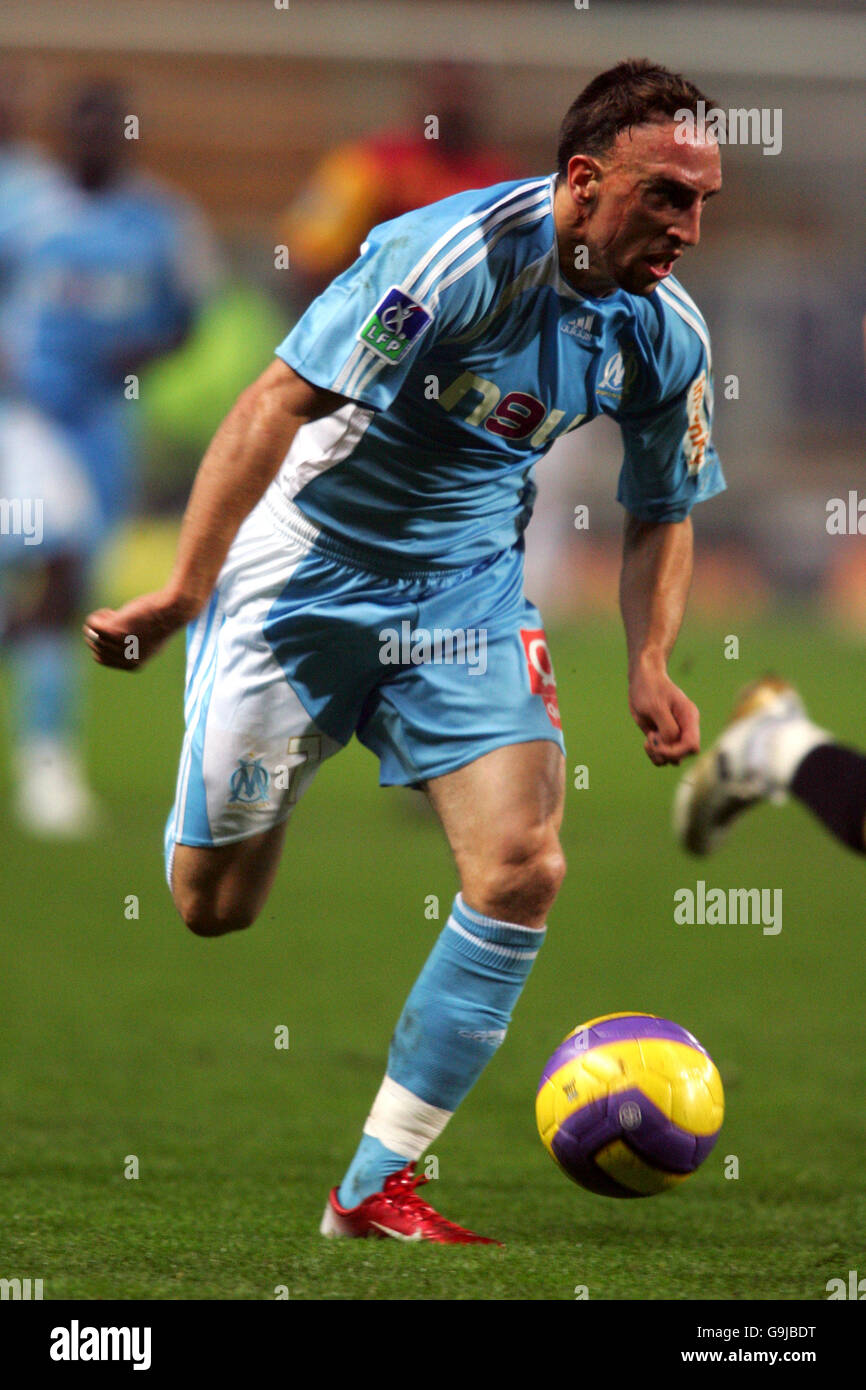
{"x": 31, "y": 185}
{"x": 108, "y": 282}
{"x": 439, "y": 151}
{"x": 771, "y": 749}
{"x": 37, "y": 465}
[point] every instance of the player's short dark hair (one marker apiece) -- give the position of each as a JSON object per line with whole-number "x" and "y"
{"x": 629, "y": 94}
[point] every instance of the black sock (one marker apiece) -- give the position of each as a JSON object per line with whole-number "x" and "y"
{"x": 831, "y": 781}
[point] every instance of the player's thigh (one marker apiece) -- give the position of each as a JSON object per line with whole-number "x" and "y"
{"x": 517, "y": 790}
{"x": 223, "y": 888}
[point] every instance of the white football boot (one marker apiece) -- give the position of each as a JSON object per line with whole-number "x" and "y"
{"x": 53, "y": 799}
{"x": 754, "y": 759}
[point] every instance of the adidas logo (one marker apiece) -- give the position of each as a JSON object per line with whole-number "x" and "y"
{"x": 583, "y": 327}
{"x": 493, "y": 1036}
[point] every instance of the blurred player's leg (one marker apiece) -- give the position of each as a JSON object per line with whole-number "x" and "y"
{"x": 43, "y": 579}
{"x": 501, "y": 814}
{"x": 769, "y": 749}
{"x": 831, "y": 781}
{"x": 52, "y": 796}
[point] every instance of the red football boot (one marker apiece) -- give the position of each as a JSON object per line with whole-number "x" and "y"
{"x": 396, "y": 1212}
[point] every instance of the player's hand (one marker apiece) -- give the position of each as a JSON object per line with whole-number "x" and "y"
{"x": 127, "y": 637}
{"x": 666, "y": 715}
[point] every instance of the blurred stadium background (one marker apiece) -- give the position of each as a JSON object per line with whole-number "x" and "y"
{"x": 239, "y": 101}
{"x": 130, "y": 1037}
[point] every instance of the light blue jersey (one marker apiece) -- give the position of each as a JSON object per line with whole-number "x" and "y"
{"x": 465, "y": 354}
{"x": 39, "y": 470}
{"x": 377, "y": 588}
{"x": 114, "y": 282}
{"x": 34, "y": 200}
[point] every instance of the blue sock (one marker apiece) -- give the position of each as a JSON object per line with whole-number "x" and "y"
{"x": 368, "y": 1170}
{"x": 47, "y": 677}
{"x": 455, "y": 1018}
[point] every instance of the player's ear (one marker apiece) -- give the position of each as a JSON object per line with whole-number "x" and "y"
{"x": 584, "y": 175}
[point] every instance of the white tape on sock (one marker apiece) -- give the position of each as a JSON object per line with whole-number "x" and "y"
{"x": 403, "y": 1122}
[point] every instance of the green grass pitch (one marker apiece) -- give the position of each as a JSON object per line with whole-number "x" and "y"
{"x": 130, "y": 1037}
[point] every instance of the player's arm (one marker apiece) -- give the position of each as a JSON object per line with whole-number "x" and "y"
{"x": 241, "y": 461}
{"x": 654, "y": 587}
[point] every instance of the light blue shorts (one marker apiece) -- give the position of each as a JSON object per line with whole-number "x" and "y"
{"x": 306, "y": 642}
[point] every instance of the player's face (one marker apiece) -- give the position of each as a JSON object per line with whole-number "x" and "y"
{"x": 645, "y": 209}
{"x": 93, "y": 141}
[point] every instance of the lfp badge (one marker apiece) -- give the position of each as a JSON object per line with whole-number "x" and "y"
{"x": 394, "y": 325}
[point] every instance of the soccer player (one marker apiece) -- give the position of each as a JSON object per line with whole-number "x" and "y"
{"x": 45, "y": 495}
{"x": 374, "y": 485}
{"x": 34, "y": 192}
{"x": 771, "y": 749}
{"x": 112, "y": 280}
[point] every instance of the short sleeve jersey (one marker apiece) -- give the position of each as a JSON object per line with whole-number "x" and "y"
{"x": 463, "y": 354}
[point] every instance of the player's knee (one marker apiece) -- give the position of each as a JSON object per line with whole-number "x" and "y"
{"x": 522, "y": 882}
{"x": 208, "y": 917}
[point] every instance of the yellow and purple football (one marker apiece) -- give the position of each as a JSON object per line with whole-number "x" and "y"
{"x": 629, "y": 1105}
